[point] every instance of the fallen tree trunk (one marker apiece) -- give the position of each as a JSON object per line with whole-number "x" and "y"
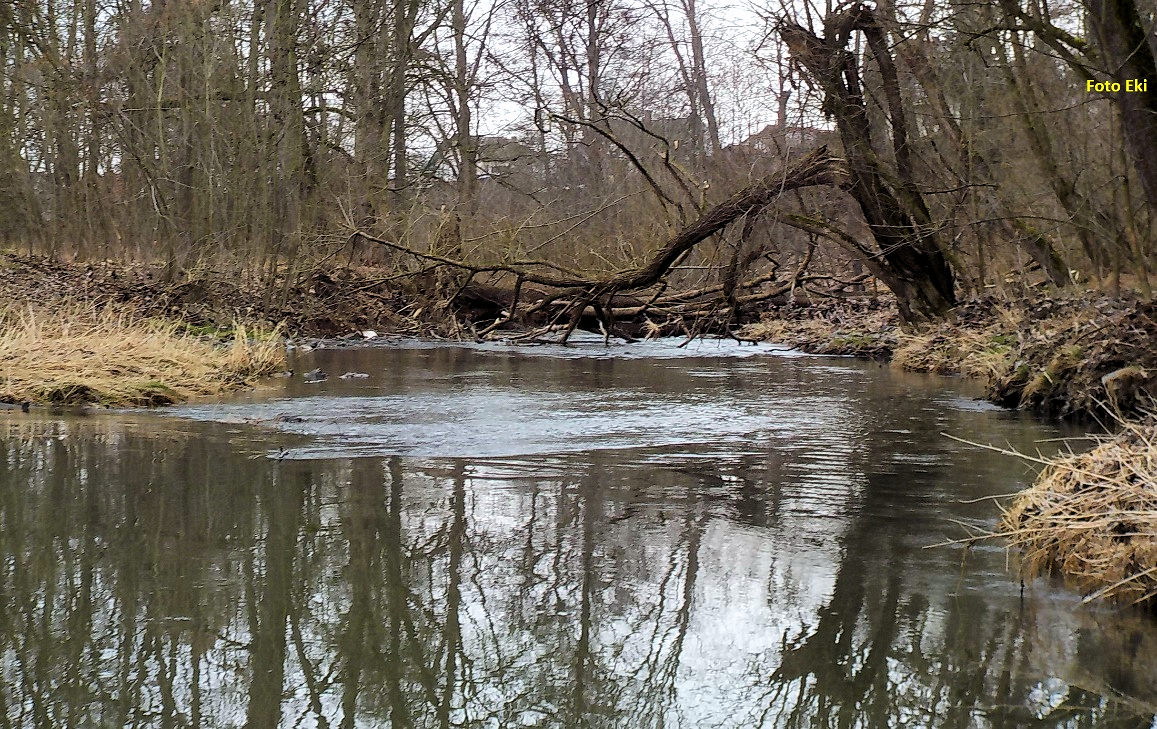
{"x": 817, "y": 168}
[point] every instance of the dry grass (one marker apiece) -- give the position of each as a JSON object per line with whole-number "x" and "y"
{"x": 870, "y": 336}
{"x": 75, "y": 354}
{"x": 1093, "y": 518}
{"x": 787, "y": 331}
{"x": 956, "y": 351}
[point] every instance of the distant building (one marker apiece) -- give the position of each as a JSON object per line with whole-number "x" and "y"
{"x": 682, "y": 137}
{"x": 498, "y": 157}
{"x": 774, "y": 138}
{"x": 505, "y": 157}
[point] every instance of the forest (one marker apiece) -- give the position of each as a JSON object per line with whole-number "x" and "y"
{"x": 611, "y": 364}
{"x": 594, "y": 150}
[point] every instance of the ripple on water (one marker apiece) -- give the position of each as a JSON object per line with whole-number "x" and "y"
{"x": 714, "y": 541}
{"x": 660, "y": 395}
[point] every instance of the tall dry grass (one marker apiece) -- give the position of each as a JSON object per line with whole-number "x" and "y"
{"x": 75, "y": 354}
{"x": 1092, "y": 517}
{"x": 953, "y": 350}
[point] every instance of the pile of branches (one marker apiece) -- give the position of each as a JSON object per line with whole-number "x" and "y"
{"x": 547, "y": 299}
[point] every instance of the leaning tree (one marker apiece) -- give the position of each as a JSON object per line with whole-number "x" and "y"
{"x": 909, "y": 257}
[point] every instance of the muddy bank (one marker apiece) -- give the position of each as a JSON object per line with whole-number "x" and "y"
{"x": 868, "y": 327}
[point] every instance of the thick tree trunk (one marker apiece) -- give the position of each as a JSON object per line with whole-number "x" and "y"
{"x": 968, "y": 158}
{"x": 1129, "y": 56}
{"x": 1127, "y": 51}
{"x": 405, "y": 16}
{"x": 916, "y": 267}
{"x": 371, "y": 132}
{"x": 1041, "y": 249}
{"x": 1094, "y": 227}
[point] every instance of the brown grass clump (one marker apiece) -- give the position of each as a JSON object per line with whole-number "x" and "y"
{"x": 979, "y": 341}
{"x": 864, "y": 328}
{"x": 76, "y": 354}
{"x": 1092, "y": 517}
{"x": 822, "y": 337}
{"x": 955, "y": 351}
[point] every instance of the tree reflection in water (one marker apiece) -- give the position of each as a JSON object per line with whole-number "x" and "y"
{"x": 161, "y": 579}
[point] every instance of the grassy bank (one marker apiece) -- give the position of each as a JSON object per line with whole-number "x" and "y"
{"x": 1091, "y": 357}
{"x": 78, "y": 353}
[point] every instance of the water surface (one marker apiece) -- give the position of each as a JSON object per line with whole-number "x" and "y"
{"x": 648, "y": 536}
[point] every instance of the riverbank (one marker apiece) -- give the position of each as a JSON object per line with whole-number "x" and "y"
{"x": 324, "y": 303}
{"x": 1084, "y": 355}
{"x": 1087, "y": 356}
{"x": 115, "y": 335}
{"x": 1090, "y": 517}
{"x": 104, "y": 333}
{"x": 78, "y": 354}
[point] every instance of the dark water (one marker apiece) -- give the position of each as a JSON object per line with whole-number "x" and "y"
{"x": 487, "y": 538}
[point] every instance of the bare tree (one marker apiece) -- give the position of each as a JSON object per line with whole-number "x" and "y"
{"x": 911, "y": 259}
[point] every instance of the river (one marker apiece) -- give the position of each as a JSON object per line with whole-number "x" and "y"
{"x": 496, "y": 536}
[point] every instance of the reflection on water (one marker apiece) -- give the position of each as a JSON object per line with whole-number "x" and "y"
{"x": 485, "y": 539}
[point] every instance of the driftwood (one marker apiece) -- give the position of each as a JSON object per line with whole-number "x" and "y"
{"x": 566, "y": 297}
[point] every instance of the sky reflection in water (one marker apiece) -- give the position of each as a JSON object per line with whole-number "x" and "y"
{"x": 486, "y": 537}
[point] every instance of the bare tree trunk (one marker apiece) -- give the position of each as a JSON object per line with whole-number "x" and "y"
{"x": 916, "y": 55}
{"x": 1094, "y": 227}
{"x": 920, "y": 275}
{"x": 404, "y": 16}
{"x": 468, "y": 144}
{"x": 699, "y": 65}
{"x": 594, "y": 110}
{"x": 370, "y": 129}
{"x": 1124, "y": 49}
{"x": 288, "y": 126}
{"x": 1129, "y": 56}
{"x": 94, "y": 212}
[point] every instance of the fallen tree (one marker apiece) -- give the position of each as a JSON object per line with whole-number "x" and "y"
{"x": 565, "y": 297}
{"x": 548, "y": 297}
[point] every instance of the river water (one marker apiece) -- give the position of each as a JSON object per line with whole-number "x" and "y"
{"x": 490, "y": 536}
